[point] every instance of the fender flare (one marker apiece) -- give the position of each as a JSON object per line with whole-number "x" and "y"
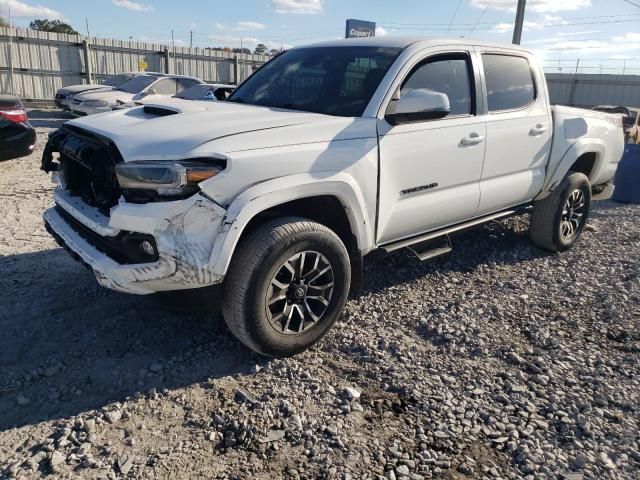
{"x": 579, "y": 148}
{"x": 277, "y": 191}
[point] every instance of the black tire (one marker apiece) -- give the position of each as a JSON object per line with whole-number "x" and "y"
{"x": 256, "y": 263}
{"x": 548, "y": 229}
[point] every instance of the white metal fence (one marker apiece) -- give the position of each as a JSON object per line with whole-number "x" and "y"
{"x": 589, "y": 90}
{"x": 35, "y": 64}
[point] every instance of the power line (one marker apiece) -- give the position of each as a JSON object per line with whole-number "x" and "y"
{"x": 391, "y": 24}
{"x": 631, "y": 3}
{"x": 497, "y": 24}
{"x": 479, "y": 18}
{"x": 453, "y": 17}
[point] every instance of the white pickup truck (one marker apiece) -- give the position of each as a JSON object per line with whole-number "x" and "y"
{"x": 327, "y": 153}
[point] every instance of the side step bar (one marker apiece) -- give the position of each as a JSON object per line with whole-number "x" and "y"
{"x": 427, "y": 250}
{"x": 392, "y": 247}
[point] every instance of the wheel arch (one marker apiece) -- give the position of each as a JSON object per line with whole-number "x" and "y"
{"x": 334, "y": 200}
{"x": 585, "y": 156}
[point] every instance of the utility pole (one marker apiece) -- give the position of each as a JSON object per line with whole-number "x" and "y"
{"x": 517, "y": 30}
{"x": 191, "y": 39}
{"x": 173, "y": 52}
{"x": 11, "y": 88}
{"x": 87, "y": 53}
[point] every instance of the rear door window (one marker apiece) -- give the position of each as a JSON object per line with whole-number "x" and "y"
{"x": 509, "y": 81}
{"x": 185, "y": 83}
{"x": 166, "y": 86}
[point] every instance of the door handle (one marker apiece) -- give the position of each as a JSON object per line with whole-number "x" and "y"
{"x": 539, "y": 129}
{"x": 472, "y": 139}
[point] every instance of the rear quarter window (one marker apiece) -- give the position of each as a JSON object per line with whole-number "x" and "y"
{"x": 509, "y": 81}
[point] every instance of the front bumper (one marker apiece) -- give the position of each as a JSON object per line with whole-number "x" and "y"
{"x": 18, "y": 141}
{"x": 184, "y": 231}
{"x": 62, "y": 103}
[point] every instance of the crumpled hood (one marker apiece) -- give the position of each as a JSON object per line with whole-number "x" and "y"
{"x": 141, "y": 135}
{"x": 109, "y": 95}
{"x": 84, "y": 88}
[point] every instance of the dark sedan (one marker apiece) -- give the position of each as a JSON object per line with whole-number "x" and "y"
{"x": 17, "y": 136}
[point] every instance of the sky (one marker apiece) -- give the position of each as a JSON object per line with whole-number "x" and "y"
{"x": 603, "y": 34}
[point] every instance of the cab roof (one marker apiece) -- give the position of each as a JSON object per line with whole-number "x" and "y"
{"x": 392, "y": 41}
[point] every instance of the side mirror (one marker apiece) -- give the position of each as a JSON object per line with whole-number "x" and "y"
{"x": 418, "y": 105}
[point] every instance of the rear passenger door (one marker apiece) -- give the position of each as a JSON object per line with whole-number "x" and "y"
{"x": 518, "y": 125}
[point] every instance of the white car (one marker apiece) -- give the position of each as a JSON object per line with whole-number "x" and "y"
{"x": 327, "y": 153}
{"x": 150, "y": 86}
{"x": 202, "y": 93}
{"x": 63, "y": 95}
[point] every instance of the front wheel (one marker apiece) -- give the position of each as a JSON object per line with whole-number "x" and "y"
{"x": 287, "y": 285}
{"x": 557, "y": 220}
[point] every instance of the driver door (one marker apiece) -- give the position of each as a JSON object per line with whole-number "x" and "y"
{"x": 430, "y": 170}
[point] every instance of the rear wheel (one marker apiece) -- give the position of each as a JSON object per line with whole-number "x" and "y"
{"x": 286, "y": 286}
{"x": 557, "y": 220}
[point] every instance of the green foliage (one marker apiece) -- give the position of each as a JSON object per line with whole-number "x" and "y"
{"x": 55, "y": 26}
{"x": 261, "y": 49}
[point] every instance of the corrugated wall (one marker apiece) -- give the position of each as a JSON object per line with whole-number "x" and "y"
{"x": 589, "y": 90}
{"x": 44, "y": 62}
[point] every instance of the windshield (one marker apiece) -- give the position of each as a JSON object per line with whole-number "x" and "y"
{"x": 137, "y": 84}
{"x": 198, "y": 92}
{"x": 117, "y": 80}
{"x": 330, "y": 80}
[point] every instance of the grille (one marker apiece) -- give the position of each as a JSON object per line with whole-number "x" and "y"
{"x": 87, "y": 166}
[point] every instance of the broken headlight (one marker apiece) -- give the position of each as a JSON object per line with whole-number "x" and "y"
{"x": 164, "y": 180}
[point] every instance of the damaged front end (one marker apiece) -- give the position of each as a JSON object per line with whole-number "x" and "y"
{"x": 139, "y": 246}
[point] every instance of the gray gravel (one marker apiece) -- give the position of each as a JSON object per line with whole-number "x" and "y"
{"x": 497, "y": 361}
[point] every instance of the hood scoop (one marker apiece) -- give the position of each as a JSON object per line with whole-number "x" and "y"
{"x": 160, "y": 111}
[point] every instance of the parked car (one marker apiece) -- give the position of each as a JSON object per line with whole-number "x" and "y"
{"x": 17, "y": 136}
{"x": 204, "y": 92}
{"x": 63, "y": 95}
{"x": 328, "y": 153}
{"x": 151, "y": 86}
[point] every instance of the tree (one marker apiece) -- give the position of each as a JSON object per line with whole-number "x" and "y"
{"x": 261, "y": 49}
{"x": 274, "y": 51}
{"x": 55, "y": 26}
{"x": 3, "y": 22}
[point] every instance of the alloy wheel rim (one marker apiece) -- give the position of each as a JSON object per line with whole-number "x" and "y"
{"x": 572, "y": 214}
{"x": 299, "y": 293}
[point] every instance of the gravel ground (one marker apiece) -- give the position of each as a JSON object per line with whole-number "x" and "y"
{"x": 497, "y": 361}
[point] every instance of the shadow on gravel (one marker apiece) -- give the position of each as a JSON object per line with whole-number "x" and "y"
{"x": 494, "y": 243}
{"x": 68, "y": 345}
{"x": 48, "y": 118}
